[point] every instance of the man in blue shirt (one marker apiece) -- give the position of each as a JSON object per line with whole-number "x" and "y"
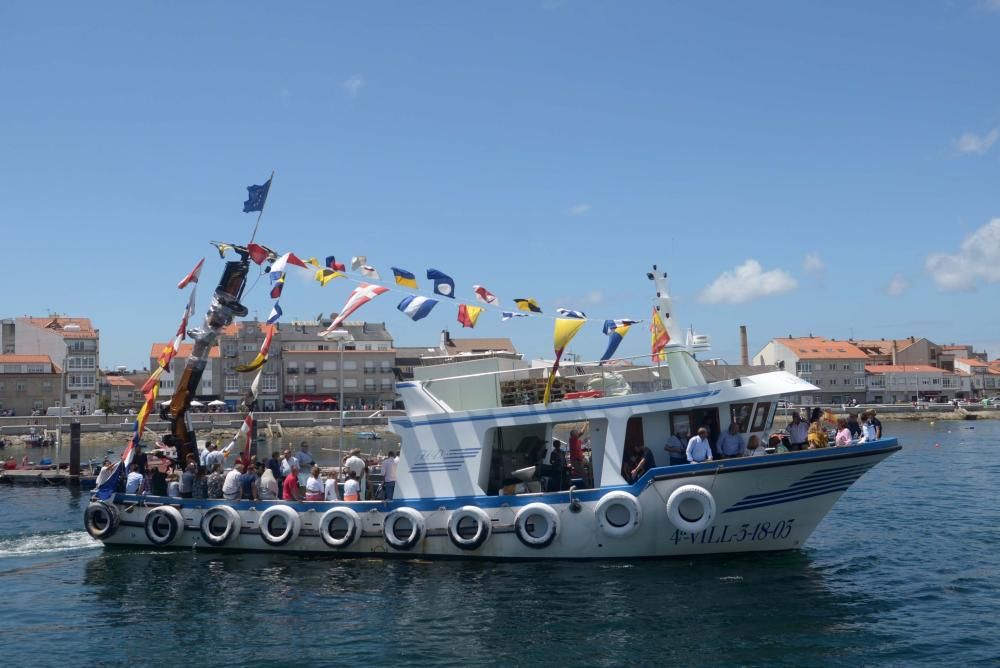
{"x": 731, "y": 444}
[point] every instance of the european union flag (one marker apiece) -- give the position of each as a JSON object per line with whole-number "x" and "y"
{"x": 257, "y": 195}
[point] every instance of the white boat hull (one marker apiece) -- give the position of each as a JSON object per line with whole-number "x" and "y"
{"x": 764, "y": 503}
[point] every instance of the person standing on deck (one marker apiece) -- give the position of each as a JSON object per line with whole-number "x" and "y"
{"x": 389, "y": 475}
{"x": 290, "y": 488}
{"x": 699, "y": 448}
{"x": 798, "y": 433}
{"x": 360, "y": 468}
{"x": 731, "y": 444}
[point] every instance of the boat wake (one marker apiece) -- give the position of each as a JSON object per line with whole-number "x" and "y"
{"x": 26, "y": 546}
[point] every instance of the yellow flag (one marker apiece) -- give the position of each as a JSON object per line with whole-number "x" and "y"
{"x": 324, "y": 276}
{"x": 659, "y": 337}
{"x": 566, "y": 329}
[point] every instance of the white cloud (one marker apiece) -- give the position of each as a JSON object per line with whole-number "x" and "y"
{"x": 990, "y": 5}
{"x": 970, "y": 142}
{"x": 746, "y": 283}
{"x": 978, "y": 258}
{"x": 897, "y": 286}
{"x": 353, "y": 85}
{"x": 813, "y": 264}
{"x": 579, "y": 209}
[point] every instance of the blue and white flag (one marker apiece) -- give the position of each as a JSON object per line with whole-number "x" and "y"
{"x": 507, "y": 315}
{"x": 416, "y": 307}
{"x": 256, "y": 196}
{"x": 275, "y": 314}
{"x": 611, "y": 325}
{"x": 443, "y": 285}
{"x": 567, "y": 313}
{"x": 107, "y": 482}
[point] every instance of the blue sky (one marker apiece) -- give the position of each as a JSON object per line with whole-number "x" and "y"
{"x": 839, "y": 161}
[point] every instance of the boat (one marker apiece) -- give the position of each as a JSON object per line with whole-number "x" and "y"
{"x": 369, "y": 435}
{"x": 472, "y": 482}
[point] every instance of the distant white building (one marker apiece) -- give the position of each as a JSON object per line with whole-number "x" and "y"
{"x": 837, "y": 368}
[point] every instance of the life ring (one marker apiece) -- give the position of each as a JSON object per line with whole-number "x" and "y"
{"x": 691, "y": 508}
{"x": 407, "y": 540}
{"x": 233, "y": 524}
{"x": 292, "y": 525}
{"x": 164, "y": 525}
{"x": 347, "y": 527}
{"x": 526, "y": 528}
{"x": 618, "y": 514}
{"x": 459, "y": 532}
{"x": 101, "y": 520}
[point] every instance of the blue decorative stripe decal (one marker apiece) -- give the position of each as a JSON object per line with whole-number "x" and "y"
{"x": 817, "y": 483}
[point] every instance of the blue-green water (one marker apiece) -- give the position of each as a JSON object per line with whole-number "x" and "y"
{"x": 904, "y": 571}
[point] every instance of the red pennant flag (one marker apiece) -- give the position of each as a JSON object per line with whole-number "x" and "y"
{"x": 257, "y": 253}
{"x": 191, "y": 277}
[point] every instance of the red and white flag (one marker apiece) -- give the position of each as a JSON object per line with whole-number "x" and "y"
{"x": 191, "y": 277}
{"x": 361, "y": 295}
{"x": 287, "y": 259}
{"x": 484, "y": 295}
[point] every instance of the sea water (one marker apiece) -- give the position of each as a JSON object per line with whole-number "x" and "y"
{"x": 904, "y": 571}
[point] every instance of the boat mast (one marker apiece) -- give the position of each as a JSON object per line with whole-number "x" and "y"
{"x": 224, "y": 308}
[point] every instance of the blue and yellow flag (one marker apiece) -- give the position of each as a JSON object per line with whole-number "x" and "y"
{"x": 615, "y": 332}
{"x": 404, "y": 278}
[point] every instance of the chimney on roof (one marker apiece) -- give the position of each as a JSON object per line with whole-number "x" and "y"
{"x": 912, "y": 339}
{"x": 445, "y": 339}
{"x": 894, "y": 353}
{"x": 744, "y": 351}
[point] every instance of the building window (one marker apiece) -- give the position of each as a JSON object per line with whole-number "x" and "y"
{"x": 19, "y": 387}
{"x": 350, "y": 365}
{"x": 269, "y": 383}
{"x": 387, "y": 385}
{"x": 803, "y": 367}
{"x": 369, "y": 384}
{"x": 229, "y": 349}
{"x": 249, "y": 347}
{"x": 47, "y": 386}
{"x": 232, "y": 383}
{"x": 329, "y": 365}
{"x": 350, "y": 382}
{"x": 293, "y": 368}
{"x": 329, "y": 383}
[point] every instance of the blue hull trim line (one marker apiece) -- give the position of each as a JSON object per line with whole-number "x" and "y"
{"x": 453, "y": 418}
{"x": 826, "y": 481}
{"x": 742, "y": 465}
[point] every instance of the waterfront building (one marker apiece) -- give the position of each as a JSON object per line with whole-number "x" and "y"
{"x": 208, "y": 388}
{"x": 29, "y": 383}
{"x": 837, "y": 368}
{"x": 118, "y": 393}
{"x": 889, "y": 384}
{"x": 981, "y": 381}
{"x": 312, "y": 372}
{"x": 239, "y": 344}
{"x": 71, "y": 343}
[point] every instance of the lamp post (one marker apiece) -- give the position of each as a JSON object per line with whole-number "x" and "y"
{"x": 342, "y": 336}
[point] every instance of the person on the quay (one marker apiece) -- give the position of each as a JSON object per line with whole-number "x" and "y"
{"x": 231, "y": 488}
{"x": 290, "y": 487}
{"x": 731, "y": 444}
{"x": 389, "y": 475}
{"x": 798, "y": 433}
{"x": 699, "y": 448}
{"x": 360, "y": 468}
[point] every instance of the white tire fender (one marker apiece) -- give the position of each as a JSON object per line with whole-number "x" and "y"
{"x": 529, "y": 535}
{"x": 417, "y": 529}
{"x": 292, "y": 525}
{"x": 681, "y": 502}
{"x": 618, "y": 514}
{"x": 349, "y": 517}
{"x": 484, "y": 527}
{"x": 164, "y": 525}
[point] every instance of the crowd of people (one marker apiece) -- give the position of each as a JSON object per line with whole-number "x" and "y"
{"x": 282, "y": 476}
{"x": 799, "y": 435}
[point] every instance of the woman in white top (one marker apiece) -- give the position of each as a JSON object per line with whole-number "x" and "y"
{"x": 268, "y": 486}
{"x": 351, "y": 487}
{"x": 330, "y": 488}
{"x": 173, "y": 487}
{"x": 314, "y": 486}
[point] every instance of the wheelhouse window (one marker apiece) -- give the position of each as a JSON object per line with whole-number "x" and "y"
{"x": 740, "y": 414}
{"x": 760, "y": 421}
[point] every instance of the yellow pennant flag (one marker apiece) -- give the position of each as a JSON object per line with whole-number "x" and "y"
{"x": 566, "y": 329}
{"x": 258, "y": 361}
{"x": 324, "y": 276}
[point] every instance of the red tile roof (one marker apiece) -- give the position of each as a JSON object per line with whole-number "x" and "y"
{"x": 81, "y": 328}
{"x": 234, "y": 328}
{"x": 970, "y": 362}
{"x": 25, "y": 359}
{"x": 118, "y": 381}
{"x": 902, "y": 368}
{"x": 183, "y": 351}
{"x": 818, "y": 349}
